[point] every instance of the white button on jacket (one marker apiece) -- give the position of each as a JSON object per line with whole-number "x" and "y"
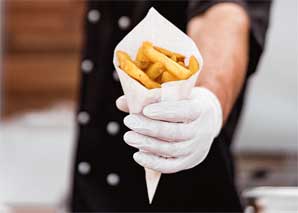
{"x": 93, "y": 16}
{"x": 83, "y": 117}
{"x": 84, "y": 168}
{"x": 87, "y": 66}
{"x": 115, "y": 76}
{"x": 113, "y": 179}
{"x": 113, "y": 127}
{"x": 124, "y": 22}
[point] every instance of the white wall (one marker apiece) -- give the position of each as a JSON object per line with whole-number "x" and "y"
{"x": 36, "y": 156}
{"x": 270, "y": 119}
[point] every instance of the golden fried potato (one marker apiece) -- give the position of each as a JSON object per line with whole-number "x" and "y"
{"x": 132, "y": 70}
{"x": 174, "y": 58}
{"x": 155, "y": 65}
{"x": 182, "y": 64}
{"x": 155, "y": 70}
{"x": 193, "y": 64}
{"x": 174, "y": 68}
{"x": 167, "y": 76}
{"x": 141, "y": 60}
{"x": 169, "y": 53}
{"x": 122, "y": 55}
{"x": 142, "y": 64}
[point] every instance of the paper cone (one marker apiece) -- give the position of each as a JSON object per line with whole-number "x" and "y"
{"x": 158, "y": 30}
{"x": 152, "y": 179}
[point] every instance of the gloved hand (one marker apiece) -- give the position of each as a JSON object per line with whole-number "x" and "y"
{"x": 174, "y": 135}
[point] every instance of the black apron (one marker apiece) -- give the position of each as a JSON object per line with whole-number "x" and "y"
{"x": 106, "y": 178}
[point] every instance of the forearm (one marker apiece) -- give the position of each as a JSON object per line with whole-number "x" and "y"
{"x": 222, "y": 36}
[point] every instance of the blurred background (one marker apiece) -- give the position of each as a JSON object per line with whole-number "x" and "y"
{"x": 40, "y": 63}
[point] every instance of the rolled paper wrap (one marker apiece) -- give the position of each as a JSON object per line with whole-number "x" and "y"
{"x": 158, "y": 30}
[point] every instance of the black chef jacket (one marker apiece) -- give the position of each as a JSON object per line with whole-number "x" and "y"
{"x": 105, "y": 176}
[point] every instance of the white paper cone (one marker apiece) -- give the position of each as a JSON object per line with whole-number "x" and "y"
{"x": 152, "y": 179}
{"x": 158, "y": 30}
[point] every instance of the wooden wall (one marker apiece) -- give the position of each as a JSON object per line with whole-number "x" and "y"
{"x": 42, "y": 45}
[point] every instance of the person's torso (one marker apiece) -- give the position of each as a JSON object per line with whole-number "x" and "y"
{"x": 106, "y": 178}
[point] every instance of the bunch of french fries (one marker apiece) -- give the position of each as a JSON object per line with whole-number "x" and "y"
{"x": 155, "y": 65}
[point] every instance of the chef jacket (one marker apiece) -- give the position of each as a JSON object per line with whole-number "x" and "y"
{"x": 106, "y": 178}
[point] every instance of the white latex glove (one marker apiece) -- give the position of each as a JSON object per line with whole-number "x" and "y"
{"x": 174, "y": 135}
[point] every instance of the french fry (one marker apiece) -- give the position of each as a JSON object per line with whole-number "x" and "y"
{"x": 158, "y": 79}
{"x": 132, "y": 70}
{"x": 180, "y": 60}
{"x": 193, "y": 65}
{"x": 143, "y": 65}
{"x": 169, "y": 53}
{"x": 155, "y": 65}
{"x": 174, "y": 58}
{"x": 141, "y": 60}
{"x": 155, "y": 70}
{"x": 182, "y": 64}
{"x": 122, "y": 55}
{"x": 174, "y": 68}
{"x": 167, "y": 76}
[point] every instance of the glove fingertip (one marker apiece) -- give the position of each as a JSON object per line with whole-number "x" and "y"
{"x": 121, "y": 104}
{"x": 137, "y": 157}
{"x": 126, "y": 137}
